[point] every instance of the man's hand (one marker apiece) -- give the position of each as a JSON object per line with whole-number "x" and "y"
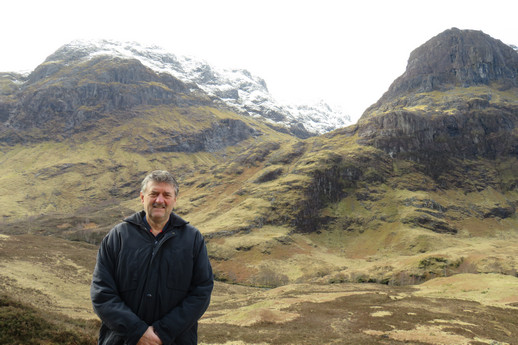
{"x": 150, "y": 338}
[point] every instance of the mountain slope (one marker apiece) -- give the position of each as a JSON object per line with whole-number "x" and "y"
{"x": 239, "y": 89}
{"x": 418, "y": 178}
{"x": 424, "y": 185}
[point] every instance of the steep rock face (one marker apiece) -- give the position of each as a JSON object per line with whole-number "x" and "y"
{"x": 457, "y": 58}
{"x": 335, "y": 177}
{"x": 465, "y": 135}
{"x": 66, "y": 97}
{"x": 63, "y": 97}
{"x": 221, "y": 134}
{"x": 458, "y": 97}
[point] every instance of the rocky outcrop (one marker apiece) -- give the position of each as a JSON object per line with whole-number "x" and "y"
{"x": 61, "y": 98}
{"x": 329, "y": 184}
{"x": 223, "y": 133}
{"x": 488, "y": 133}
{"x": 411, "y": 121}
{"x": 456, "y": 58}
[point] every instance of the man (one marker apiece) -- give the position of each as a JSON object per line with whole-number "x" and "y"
{"x": 153, "y": 279}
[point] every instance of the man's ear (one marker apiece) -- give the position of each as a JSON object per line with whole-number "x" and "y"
{"x": 141, "y": 197}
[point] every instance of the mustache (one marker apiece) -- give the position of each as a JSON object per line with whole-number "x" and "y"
{"x": 159, "y": 205}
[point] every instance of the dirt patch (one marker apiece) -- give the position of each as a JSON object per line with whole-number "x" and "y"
{"x": 357, "y": 314}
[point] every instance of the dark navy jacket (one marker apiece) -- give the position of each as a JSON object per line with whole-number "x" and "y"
{"x": 140, "y": 280}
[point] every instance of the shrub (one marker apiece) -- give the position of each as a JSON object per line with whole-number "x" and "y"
{"x": 269, "y": 278}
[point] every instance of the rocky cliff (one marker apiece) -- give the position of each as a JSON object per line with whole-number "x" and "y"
{"x": 457, "y": 97}
{"x": 60, "y": 98}
{"x": 456, "y": 58}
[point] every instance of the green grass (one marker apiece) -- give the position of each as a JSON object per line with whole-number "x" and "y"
{"x": 451, "y": 101}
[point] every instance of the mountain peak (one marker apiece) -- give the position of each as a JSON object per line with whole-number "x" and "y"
{"x": 237, "y": 88}
{"x": 457, "y": 58}
{"x": 457, "y": 96}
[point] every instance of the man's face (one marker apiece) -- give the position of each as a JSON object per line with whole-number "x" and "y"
{"x": 159, "y": 200}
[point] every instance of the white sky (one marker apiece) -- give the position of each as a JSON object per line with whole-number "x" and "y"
{"x": 344, "y": 52}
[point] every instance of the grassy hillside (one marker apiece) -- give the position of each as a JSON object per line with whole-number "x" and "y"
{"x": 271, "y": 203}
{"x": 307, "y": 219}
{"x": 452, "y": 100}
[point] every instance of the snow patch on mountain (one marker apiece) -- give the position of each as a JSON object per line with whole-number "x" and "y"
{"x": 238, "y": 88}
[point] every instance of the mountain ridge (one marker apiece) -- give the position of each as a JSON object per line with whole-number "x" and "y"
{"x": 237, "y": 88}
{"x": 422, "y": 176}
{"x": 455, "y": 58}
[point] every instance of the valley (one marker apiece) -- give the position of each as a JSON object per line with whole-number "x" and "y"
{"x": 52, "y": 276}
{"x": 401, "y": 228}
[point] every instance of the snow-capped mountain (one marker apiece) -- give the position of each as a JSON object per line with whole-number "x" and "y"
{"x": 236, "y": 88}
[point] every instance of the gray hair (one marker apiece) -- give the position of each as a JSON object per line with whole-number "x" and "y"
{"x": 160, "y": 176}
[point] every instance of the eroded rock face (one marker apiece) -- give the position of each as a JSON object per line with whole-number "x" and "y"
{"x": 73, "y": 95}
{"x": 431, "y": 112}
{"x": 487, "y": 133}
{"x": 457, "y": 58}
{"x": 60, "y": 99}
{"x": 222, "y": 133}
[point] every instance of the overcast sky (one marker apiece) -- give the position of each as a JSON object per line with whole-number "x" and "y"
{"x": 344, "y": 52}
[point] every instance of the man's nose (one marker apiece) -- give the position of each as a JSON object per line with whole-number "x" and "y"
{"x": 160, "y": 198}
